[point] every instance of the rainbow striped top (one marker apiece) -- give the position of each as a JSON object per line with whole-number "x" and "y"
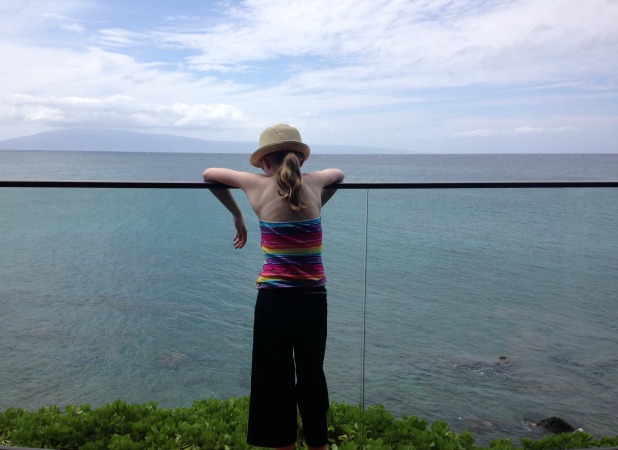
{"x": 292, "y": 253}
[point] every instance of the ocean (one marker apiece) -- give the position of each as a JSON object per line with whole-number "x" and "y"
{"x": 489, "y": 309}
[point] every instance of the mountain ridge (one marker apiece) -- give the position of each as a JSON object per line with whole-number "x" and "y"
{"x": 109, "y": 140}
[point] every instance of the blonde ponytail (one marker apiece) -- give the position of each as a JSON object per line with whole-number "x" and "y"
{"x": 290, "y": 180}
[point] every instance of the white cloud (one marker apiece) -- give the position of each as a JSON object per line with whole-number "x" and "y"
{"x": 351, "y": 70}
{"x": 199, "y": 115}
{"x": 515, "y": 131}
{"x": 115, "y": 111}
{"x": 24, "y": 20}
{"x": 418, "y": 44}
{"x": 117, "y": 38}
{"x": 74, "y": 27}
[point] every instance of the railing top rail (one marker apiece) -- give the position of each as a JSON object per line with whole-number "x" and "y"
{"x": 376, "y": 185}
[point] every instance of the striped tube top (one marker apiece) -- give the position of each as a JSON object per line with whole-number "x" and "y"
{"x": 292, "y": 254}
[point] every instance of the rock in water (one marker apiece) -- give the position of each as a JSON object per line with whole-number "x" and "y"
{"x": 555, "y": 425}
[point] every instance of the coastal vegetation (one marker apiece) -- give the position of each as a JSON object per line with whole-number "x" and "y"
{"x": 220, "y": 424}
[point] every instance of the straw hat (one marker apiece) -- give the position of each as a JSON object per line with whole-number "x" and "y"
{"x": 277, "y": 138}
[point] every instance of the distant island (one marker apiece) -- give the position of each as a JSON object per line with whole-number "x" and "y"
{"x": 131, "y": 141}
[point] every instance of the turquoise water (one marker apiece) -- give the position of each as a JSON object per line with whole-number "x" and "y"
{"x": 139, "y": 295}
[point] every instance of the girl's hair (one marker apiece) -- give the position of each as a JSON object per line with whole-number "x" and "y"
{"x": 289, "y": 178}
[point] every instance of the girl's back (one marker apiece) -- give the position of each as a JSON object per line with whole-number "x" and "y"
{"x": 268, "y": 204}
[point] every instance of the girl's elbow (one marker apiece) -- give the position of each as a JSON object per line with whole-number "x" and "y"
{"x": 333, "y": 176}
{"x": 207, "y": 175}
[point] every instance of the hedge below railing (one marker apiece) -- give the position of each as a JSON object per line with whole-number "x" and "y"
{"x": 221, "y": 424}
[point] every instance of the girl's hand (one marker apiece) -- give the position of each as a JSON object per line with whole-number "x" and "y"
{"x": 241, "y": 232}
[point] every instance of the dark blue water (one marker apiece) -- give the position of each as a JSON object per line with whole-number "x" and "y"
{"x": 139, "y": 294}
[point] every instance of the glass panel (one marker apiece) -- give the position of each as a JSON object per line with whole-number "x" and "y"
{"x": 138, "y": 294}
{"x": 344, "y": 259}
{"x": 490, "y": 309}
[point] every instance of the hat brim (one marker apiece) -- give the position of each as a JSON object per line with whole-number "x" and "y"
{"x": 277, "y": 147}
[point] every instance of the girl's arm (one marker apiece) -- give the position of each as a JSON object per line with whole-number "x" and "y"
{"x": 326, "y": 178}
{"x": 235, "y": 179}
{"x": 330, "y": 176}
{"x": 327, "y": 194}
{"x": 229, "y": 177}
{"x": 227, "y": 199}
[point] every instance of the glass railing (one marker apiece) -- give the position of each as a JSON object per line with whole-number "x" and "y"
{"x": 487, "y": 305}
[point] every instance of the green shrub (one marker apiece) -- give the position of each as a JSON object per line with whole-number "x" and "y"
{"x": 221, "y": 424}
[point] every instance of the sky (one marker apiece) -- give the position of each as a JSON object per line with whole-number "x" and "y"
{"x": 433, "y": 76}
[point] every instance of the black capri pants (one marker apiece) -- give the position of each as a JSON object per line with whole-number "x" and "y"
{"x": 289, "y": 341}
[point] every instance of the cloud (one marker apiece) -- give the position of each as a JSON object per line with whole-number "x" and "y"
{"x": 116, "y": 111}
{"x": 74, "y": 27}
{"x": 515, "y": 131}
{"x": 412, "y": 44}
{"x": 30, "y": 20}
{"x": 352, "y": 70}
{"x": 117, "y": 38}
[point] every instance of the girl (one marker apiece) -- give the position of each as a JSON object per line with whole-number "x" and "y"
{"x": 289, "y": 336}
